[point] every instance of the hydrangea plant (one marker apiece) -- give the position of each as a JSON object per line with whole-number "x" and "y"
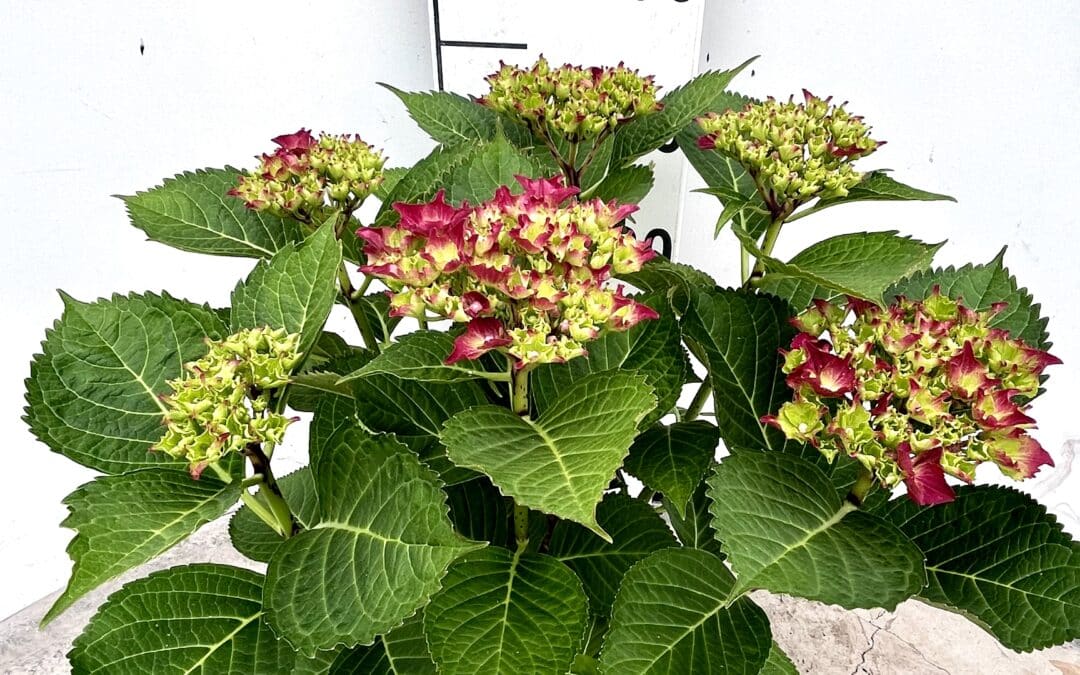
{"x": 518, "y": 357}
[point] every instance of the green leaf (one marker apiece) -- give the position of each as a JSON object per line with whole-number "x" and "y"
{"x": 447, "y": 117}
{"x": 876, "y": 186}
{"x": 402, "y": 651}
{"x": 294, "y": 290}
{"x": 492, "y": 165}
{"x": 376, "y": 308}
{"x": 863, "y": 265}
{"x": 675, "y": 280}
{"x": 254, "y": 538}
{"x": 672, "y": 617}
{"x": 636, "y": 531}
{"x": 560, "y": 463}
{"x": 427, "y": 177}
{"x": 652, "y": 349}
{"x": 981, "y": 286}
{"x": 672, "y": 459}
{"x": 391, "y": 177}
{"x": 200, "y": 618}
{"x": 382, "y": 543}
{"x": 480, "y": 512}
{"x": 740, "y": 334}
{"x": 996, "y": 556}
{"x": 778, "y": 663}
{"x": 420, "y": 356}
{"x": 506, "y": 613}
{"x": 628, "y": 185}
{"x": 694, "y": 528}
{"x": 192, "y": 212}
{"x": 704, "y": 93}
{"x": 785, "y": 530}
{"x": 123, "y": 521}
{"x": 92, "y": 394}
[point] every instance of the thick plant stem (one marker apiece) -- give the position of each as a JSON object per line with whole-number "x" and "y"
{"x": 519, "y": 403}
{"x": 362, "y": 323}
{"x": 767, "y": 245}
{"x": 863, "y": 484}
{"x": 699, "y": 400}
{"x": 269, "y": 495}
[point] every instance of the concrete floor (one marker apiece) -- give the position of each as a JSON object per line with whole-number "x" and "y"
{"x": 820, "y": 639}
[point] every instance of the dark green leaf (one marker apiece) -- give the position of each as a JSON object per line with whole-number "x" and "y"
{"x": 672, "y": 459}
{"x": 419, "y": 356}
{"x": 673, "y": 617}
{"x": 740, "y": 334}
{"x": 628, "y": 185}
{"x": 506, "y": 613}
{"x": 694, "y": 529}
{"x": 996, "y": 556}
{"x": 877, "y": 186}
{"x": 402, "y": 651}
{"x": 427, "y": 177}
{"x": 192, "y": 212}
{"x": 391, "y": 177}
{"x": 492, "y": 165}
{"x": 675, "y": 280}
{"x": 92, "y": 394}
{"x": 636, "y": 531}
{"x": 479, "y": 511}
{"x": 778, "y": 663}
{"x": 785, "y": 530}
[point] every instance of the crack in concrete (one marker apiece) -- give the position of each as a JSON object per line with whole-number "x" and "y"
{"x": 872, "y": 643}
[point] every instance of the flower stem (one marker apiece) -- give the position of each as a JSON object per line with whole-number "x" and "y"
{"x": 771, "y": 234}
{"x": 699, "y": 401}
{"x": 276, "y": 513}
{"x": 519, "y": 403}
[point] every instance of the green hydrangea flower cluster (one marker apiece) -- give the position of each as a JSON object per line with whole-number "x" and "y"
{"x": 795, "y": 152}
{"x": 574, "y": 102}
{"x": 307, "y": 178}
{"x": 222, "y": 404}
{"x": 913, "y": 392}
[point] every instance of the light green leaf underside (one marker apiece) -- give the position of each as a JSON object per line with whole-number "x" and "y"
{"x": 192, "y": 212}
{"x": 123, "y": 521}
{"x": 205, "y": 619}
{"x": 878, "y": 186}
{"x": 863, "y": 265}
{"x": 294, "y": 290}
{"x": 996, "y": 556}
{"x": 420, "y": 356}
{"x": 254, "y": 538}
{"x": 785, "y": 530}
{"x": 652, "y": 349}
{"x": 381, "y": 545}
{"x": 506, "y": 613}
{"x": 740, "y": 334}
{"x": 561, "y": 463}
{"x": 981, "y": 286}
{"x": 672, "y": 459}
{"x": 447, "y": 117}
{"x": 402, "y": 651}
{"x": 636, "y": 531}
{"x": 93, "y": 392}
{"x": 672, "y": 617}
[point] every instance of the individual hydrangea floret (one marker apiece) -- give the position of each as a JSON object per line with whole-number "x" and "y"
{"x": 222, "y": 404}
{"x": 526, "y": 272}
{"x": 794, "y": 152}
{"x": 307, "y": 178}
{"x": 572, "y": 101}
{"x": 914, "y": 391}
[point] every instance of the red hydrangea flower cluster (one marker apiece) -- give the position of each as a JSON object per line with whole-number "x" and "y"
{"x": 913, "y": 392}
{"x": 527, "y": 272}
{"x": 306, "y": 178}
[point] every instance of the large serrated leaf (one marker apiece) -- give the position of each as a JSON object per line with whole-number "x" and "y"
{"x": 561, "y": 462}
{"x": 996, "y": 556}
{"x": 492, "y": 165}
{"x": 480, "y": 512}
{"x": 203, "y": 618}
{"x": 706, "y": 92}
{"x": 784, "y": 529}
{"x": 672, "y": 617}
{"x": 382, "y": 543}
{"x": 402, "y": 651}
{"x": 92, "y": 394}
{"x": 123, "y": 521}
{"x": 981, "y": 286}
{"x": 674, "y": 280}
{"x": 192, "y": 212}
{"x": 876, "y": 186}
{"x": 447, "y": 117}
{"x": 694, "y": 527}
{"x": 740, "y": 334}
{"x": 636, "y": 531}
{"x": 427, "y": 177}
{"x": 628, "y": 185}
{"x": 506, "y": 613}
{"x": 862, "y": 265}
{"x": 254, "y": 538}
{"x": 652, "y": 349}
{"x": 294, "y": 290}
{"x": 672, "y": 459}
{"x": 420, "y": 356}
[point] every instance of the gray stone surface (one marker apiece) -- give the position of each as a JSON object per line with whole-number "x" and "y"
{"x": 823, "y": 640}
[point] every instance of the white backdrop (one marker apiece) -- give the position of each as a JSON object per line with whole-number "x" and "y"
{"x": 977, "y": 100}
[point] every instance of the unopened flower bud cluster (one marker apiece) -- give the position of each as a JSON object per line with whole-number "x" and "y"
{"x": 575, "y": 102}
{"x": 795, "y": 152}
{"x": 913, "y": 392}
{"x": 306, "y": 178}
{"x": 527, "y": 272}
{"x": 222, "y": 403}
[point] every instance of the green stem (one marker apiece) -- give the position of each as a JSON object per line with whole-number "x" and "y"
{"x": 281, "y": 518}
{"x": 863, "y": 484}
{"x": 699, "y": 400}
{"x": 357, "y": 311}
{"x": 519, "y": 403}
{"x": 744, "y": 264}
{"x": 771, "y": 234}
